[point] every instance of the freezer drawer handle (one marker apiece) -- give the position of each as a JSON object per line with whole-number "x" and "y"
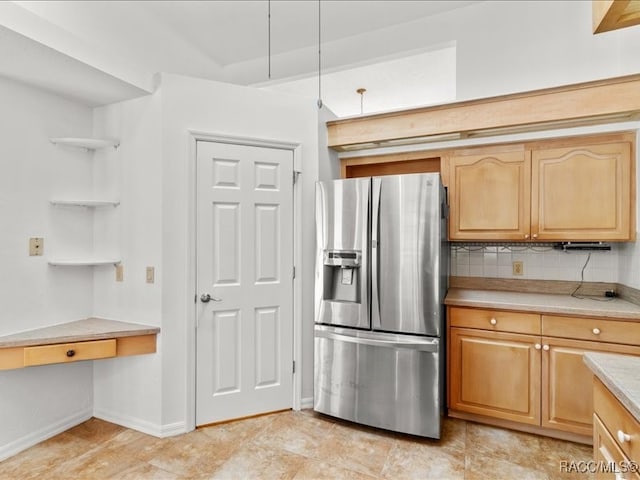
{"x": 424, "y": 346}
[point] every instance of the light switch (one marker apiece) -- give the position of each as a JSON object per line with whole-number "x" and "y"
{"x": 151, "y": 274}
{"x": 36, "y": 246}
{"x": 119, "y": 273}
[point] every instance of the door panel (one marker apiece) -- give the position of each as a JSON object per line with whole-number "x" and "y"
{"x": 581, "y": 193}
{"x": 245, "y": 265}
{"x": 342, "y": 228}
{"x": 567, "y": 400}
{"x": 383, "y": 380}
{"x": 406, "y": 283}
{"x": 495, "y": 374}
{"x": 490, "y": 197}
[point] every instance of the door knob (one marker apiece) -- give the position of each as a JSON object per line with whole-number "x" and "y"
{"x": 206, "y": 298}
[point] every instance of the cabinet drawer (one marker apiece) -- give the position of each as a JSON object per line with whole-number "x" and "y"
{"x": 496, "y": 320}
{"x": 601, "y": 330}
{"x": 617, "y": 420}
{"x": 69, "y": 352}
{"x": 606, "y": 450}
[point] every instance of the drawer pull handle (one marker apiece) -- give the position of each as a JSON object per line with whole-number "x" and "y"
{"x": 71, "y": 353}
{"x": 623, "y": 437}
{"x": 596, "y": 331}
{"x": 545, "y": 348}
{"x": 537, "y": 346}
{"x": 493, "y": 321}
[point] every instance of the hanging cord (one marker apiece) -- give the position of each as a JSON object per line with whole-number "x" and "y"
{"x": 319, "y": 57}
{"x": 581, "y": 297}
{"x": 574, "y": 293}
{"x": 269, "y": 41}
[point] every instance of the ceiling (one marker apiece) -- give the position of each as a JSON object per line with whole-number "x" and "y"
{"x": 229, "y": 32}
{"x": 220, "y": 40}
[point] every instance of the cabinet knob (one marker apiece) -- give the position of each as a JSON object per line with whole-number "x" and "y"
{"x": 71, "y": 353}
{"x": 596, "y": 331}
{"x": 535, "y": 235}
{"x": 526, "y": 236}
{"x": 623, "y": 437}
{"x": 537, "y": 346}
{"x": 545, "y": 348}
{"x": 493, "y": 321}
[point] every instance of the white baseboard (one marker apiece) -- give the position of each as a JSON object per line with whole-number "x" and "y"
{"x": 306, "y": 402}
{"x": 143, "y": 426}
{"x": 43, "y": 434}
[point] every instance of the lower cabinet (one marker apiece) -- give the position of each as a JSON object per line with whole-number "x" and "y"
{"x": 495, "y": 374}
{"x": 534, "y": 380}
{"x": 567, "y": 402}
{"x": 614, "y": 431}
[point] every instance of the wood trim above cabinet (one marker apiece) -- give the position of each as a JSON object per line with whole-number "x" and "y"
{"x": 613, "y": 99}
{"x": 614, "y": 14}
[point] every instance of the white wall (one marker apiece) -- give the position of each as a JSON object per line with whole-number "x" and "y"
{"x": 506, "y": 47}
{"x": 128, "y": 390}
{"x": 227, "y": 110}
{"x": 36, "y": 402}
{"x": 152, "y": 172}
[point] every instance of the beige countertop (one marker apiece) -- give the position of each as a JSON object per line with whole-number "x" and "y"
{"x": 544, "y": 303}
{"x": 77, "y": 331}
{"x": 619, "y": 373}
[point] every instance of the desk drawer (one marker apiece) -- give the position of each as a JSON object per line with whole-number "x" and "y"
{"x": 496, "y": 320}
{"x": 69, "y": 352}
{"x": 600, "y": 330}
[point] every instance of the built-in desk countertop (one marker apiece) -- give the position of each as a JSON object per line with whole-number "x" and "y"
{"x": 88, "y": 339}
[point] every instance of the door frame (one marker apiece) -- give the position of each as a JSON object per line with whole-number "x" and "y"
{"x": 196, "y": 136}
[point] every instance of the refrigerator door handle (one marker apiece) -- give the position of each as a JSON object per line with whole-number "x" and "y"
{"x": 375, "y": 255}
{"x": 426, "y": 345}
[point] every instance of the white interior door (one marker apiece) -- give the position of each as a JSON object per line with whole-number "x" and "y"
{"x": 245, "y": 282}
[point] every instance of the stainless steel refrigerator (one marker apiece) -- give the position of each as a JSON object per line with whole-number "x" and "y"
{"x": 381, "y": 276}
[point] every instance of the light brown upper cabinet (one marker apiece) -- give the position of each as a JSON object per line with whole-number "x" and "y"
{"x": 489, "y": 196}
{"x": 582, "y": 192}
{"x": 559, "y": 190}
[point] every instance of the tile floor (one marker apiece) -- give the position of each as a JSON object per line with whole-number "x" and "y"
{"x": 297, "y": 445}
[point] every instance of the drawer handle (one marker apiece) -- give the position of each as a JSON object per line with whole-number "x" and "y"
{"x": 537, "y": 346}
{"x": 71, "y": 353}
{"x": 545, "y": 348}
{"x": 623, "y": 437}
{"x": 493, "y": 321}
{"x": 596, "y": 331}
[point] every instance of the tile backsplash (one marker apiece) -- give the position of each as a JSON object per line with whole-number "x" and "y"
{"x": 538, "y": 262}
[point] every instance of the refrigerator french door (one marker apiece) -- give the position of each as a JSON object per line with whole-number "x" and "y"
{"x": 381, "y": 277}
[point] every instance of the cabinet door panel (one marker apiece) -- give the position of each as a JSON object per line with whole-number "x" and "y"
{"x": 567, "y": 402}
{"x": 495, "y": 374}
{"x": 581, "y": 193}
{"x": 490, "y": 196}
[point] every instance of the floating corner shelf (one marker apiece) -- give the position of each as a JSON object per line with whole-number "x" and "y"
{"x": 85, "y": 203}
{"x": 83, "y": 262}
{"x": 88, "y": 143}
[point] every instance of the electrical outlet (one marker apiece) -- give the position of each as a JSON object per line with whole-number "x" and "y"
{"x": 151, "y": 274}
{"x": 518, "y": 268}
{"x": 36, "y": 246}
{"x": 119, "y": 273}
